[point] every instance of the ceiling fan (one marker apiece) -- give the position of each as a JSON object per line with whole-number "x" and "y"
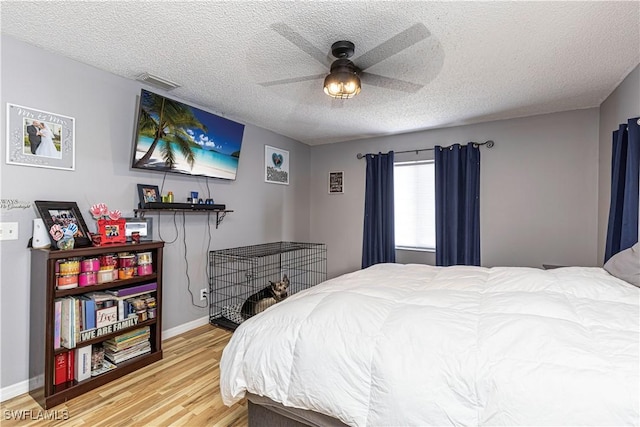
{"x": 345, "y": 76}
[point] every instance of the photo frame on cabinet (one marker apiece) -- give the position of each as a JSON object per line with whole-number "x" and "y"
{"x": 40, "y": 138}
{"x": 62, "y": 214}
{"x": 112, "y": 231}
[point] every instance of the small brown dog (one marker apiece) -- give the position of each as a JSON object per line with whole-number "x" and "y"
{"x": 260, "y": 301}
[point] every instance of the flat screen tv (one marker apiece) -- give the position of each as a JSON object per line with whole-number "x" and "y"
{"x": 175, "y": 137}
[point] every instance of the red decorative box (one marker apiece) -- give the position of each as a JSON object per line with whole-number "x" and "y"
{"x": 112, "y": 231}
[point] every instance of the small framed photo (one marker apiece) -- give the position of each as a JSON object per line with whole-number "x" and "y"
{"x": 112, "y": 231}
{"x": 144, "y": 226}
{"x": 39, "y": 138}
{"x": 276, "y": 165}
{"x": 59, "y": 216}
{"x": 148, "y": 194}
{"x": 336, "y": 182}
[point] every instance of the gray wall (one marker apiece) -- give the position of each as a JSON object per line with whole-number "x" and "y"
{"x": 621, "y": 105}
{"x": 539, "y": 186}
{"x": 104, "y": 107}
{"x": 538, "y": 189}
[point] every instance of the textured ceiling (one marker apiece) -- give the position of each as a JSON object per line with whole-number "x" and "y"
{"x": 482, "y": 60}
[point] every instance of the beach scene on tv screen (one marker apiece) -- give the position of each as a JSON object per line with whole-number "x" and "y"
{"x": 176, "y": 137}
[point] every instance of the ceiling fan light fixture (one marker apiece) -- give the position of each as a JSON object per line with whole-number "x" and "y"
{"x": 343, "y": 81}
{"x": 342, "y": 85}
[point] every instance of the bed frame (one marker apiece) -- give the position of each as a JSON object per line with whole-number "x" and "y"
{"x": 264, "y": 412}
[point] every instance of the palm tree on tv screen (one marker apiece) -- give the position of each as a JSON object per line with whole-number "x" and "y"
{"x": 173, "y": 118}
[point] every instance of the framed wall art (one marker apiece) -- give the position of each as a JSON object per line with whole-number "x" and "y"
{"x": 148, "y": 194}
{"x": 40, "y": 138}
{"x": 62, "y": 215}
{"x": 336, "y": 182}
{"x": 276, "y": 165}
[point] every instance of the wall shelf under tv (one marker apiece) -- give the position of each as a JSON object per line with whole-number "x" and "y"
{"x": 220, "y": 213}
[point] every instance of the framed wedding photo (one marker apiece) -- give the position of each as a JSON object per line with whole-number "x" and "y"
{"x": 40, "y": 138}
{"x": 148, "y": 194}
{"x": 63, "y": 214}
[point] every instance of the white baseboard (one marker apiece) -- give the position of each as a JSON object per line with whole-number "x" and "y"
{"x": 13, "y": 390}
{"x": 185, "y": 327}
{"x": 22, "y": 387}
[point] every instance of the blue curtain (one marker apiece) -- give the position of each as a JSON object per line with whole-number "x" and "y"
{"x": 378, "y": 243}
{"x": 622, "y": 231}
{"x": 457, "y": 170}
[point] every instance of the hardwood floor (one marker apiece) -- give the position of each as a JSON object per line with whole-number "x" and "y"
{"x": 180, "y": 390}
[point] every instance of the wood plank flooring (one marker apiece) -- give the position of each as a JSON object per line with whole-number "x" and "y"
{"x": 180, "y": 390}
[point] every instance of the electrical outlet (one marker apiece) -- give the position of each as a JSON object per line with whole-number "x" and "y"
{"x": 203, "y": 294}
{"x": 8, "y": 231}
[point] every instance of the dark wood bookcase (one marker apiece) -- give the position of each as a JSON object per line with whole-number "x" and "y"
{"x": 42, "y": 317}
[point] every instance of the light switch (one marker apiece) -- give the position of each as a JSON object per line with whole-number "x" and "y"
{"x": 8, "y": 231}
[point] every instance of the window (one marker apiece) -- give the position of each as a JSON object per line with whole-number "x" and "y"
{"x": 415, "y": 205}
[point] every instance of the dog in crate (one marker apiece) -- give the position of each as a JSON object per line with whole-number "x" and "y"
{"x": 260, "y": 301}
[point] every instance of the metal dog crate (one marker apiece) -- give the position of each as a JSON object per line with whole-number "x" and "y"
{"x": 237, "y": 273}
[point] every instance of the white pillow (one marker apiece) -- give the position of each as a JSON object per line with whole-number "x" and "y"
{"x": 625, "y": 265}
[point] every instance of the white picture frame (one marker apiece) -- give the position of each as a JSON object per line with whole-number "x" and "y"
{"x": 336, "y": 182}
{"x": 20, "y": 134}
{"x": 276, "y": 165}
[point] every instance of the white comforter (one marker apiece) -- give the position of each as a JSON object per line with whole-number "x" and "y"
{"x": 400, "y": 345}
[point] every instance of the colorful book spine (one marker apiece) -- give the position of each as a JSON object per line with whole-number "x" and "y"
{"x": 60, "y": 369}
{"x": 57, "y": 324}
{"x": 71, "y": 365}
{"x": 90, "y": 314}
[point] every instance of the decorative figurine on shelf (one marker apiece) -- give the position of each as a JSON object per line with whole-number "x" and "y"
{"x": 64, "y": 236}
{"x": 111, "y": 227}
{"x": 135, "y": 236}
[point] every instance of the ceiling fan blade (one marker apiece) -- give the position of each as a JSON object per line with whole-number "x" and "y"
{"x": 389, "y": 83}
{"x": 303, "y": 44}
{"x": 292, "y": 80}
{"x": 395, "y": 44}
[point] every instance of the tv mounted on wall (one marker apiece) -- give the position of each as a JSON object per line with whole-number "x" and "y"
{"x": 175, "y": 137}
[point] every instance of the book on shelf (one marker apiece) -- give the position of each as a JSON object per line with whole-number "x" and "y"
{"x": 124, "y": 356}
{"x": 141, "y": 334}
{"x": 88, "y": 312}
{"x": 60, "y": 369}
{"x": 128, "y": 345}
{"x": 67, "y": 323}
{"x": 123, "y": 345}
{"x": 83, "y": 363}
{"x": 71, "y": 359}
{"x": 77, "y": 315}
{"x": 57, "y": 323}
{"x": 134, "y": 290}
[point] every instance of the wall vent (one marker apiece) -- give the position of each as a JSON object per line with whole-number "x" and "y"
{"x": 158, "y": 82}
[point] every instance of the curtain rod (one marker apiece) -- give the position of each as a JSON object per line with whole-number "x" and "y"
{"x": 488, "y": 143}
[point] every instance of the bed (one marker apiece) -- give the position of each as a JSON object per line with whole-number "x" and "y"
{"x": 413, "y": 345}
